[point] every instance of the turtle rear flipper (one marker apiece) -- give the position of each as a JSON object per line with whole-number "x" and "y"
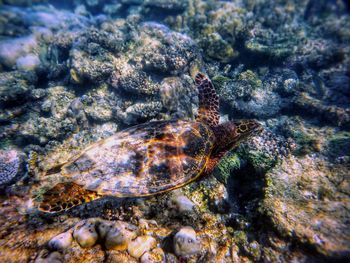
{"x": 208, "y": 111}
{"x": 64, "y": 196}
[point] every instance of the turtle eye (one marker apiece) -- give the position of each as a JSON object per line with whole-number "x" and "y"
{"x": 250, "y": 127}
{"x": 242, "y": 128}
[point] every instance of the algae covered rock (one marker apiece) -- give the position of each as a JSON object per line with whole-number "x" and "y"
{"x": 56, "y": 120}
{"x": 87, "y": 68}
{"x": 177, "y": 96}
{"x": 247, "y": 94}
{"x": 15, "y": 86}
{"x": 135, "y": 81}
{"x": 171, "y": 5}
{"x": 228, "y": 164}
{"x": 164, "y": 50}
{"x": 28, "y": 62}
{"x": 307, "y": 199}
{"x": 217, "y": 48}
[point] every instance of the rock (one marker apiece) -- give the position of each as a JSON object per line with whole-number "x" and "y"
{"x": 46, "y": 257}
{"x": 12, "y": 49}
{"x": 164, "y": 50}
{"x": 85, "y": 233}
{"x": 155, "y": 256}
{"x": 140, "y": 245}
{"x": 307, "y": 199}
{"x": 170, "y": 5}
{"x": 142, "y": 112}
{"x": 119, "y": 256}
{"x": 120, "y": 235}
{"x": 217, "y": 48}
{"x": 62, "y": 241}
{"x": 86, "y": 68}
{"x": 28, "y": 62}
{"x": 186, "y": 242}
{"x": 15, "y": 86}
{"x": 177, "y": 96}
{"x": 134, "y": 81}
{"x": 78, "y": 254}
{"x": 181, "y": 202}
{"x": 103, "y": 227}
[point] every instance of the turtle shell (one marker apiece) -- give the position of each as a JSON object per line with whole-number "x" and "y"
{"x": 143, "y": 160}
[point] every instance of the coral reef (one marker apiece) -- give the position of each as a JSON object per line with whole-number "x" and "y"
{"x": 74, "y": 72}
{"x": 298, "y": 186}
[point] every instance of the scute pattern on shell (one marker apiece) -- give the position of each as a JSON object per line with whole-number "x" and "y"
{"x": 144, "y": 159}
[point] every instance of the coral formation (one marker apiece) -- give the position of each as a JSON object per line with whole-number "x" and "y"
{"x": 10, "y": 166}
{"x": 74, "y": 72}
{"x": 297, "y": 184}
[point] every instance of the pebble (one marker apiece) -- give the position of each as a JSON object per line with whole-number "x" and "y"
{"x": 140, "y": 245}
{"x": 85, "y": 233}
{"x": 62, "y": 241}
{"x": 182, "y": 202}
{"x": 103, "y": 228}
{"x": 119, "y": 236}
{"x": 186, "y": 242}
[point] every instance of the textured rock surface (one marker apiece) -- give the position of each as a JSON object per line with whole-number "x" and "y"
{"x": 185, "y": 242}
{"x": 307, "y": 199}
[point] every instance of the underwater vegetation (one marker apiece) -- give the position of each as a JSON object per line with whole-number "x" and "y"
{"x": 75, "y": 73}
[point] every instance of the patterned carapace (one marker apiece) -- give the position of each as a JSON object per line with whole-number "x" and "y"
{"x": 149, "y": 158}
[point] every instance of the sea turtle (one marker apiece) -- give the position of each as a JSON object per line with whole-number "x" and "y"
{"x": 149, "y": 158}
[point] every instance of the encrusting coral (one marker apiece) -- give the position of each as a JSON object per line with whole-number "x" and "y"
{"x": 11, "y": 166}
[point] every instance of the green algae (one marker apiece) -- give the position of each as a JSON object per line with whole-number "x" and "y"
{"x": 217, "y": 48}
{"x": 219, "y": 81}
{"x": 250, "y": 78}
{"x": 223, "y": 170}
{"x": 260, "y": 161}
{"x": 339, "y": 144}
{"x": 306, "y": 143}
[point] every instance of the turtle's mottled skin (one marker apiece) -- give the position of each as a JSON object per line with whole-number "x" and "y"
{"x": 149, "y": 158}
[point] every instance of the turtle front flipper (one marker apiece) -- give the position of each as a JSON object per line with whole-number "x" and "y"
{"x": 208, "y": 111}
{"x": 64, "y": 196}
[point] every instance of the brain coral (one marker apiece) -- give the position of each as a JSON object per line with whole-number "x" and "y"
{"x": 9, "y": 165}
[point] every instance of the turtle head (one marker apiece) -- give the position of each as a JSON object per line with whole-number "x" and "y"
{"x": 230, "y": 134}
{"x": 243, "y": 129}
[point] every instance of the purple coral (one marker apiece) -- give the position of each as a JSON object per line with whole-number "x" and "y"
{"x": 10, "y": 163}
